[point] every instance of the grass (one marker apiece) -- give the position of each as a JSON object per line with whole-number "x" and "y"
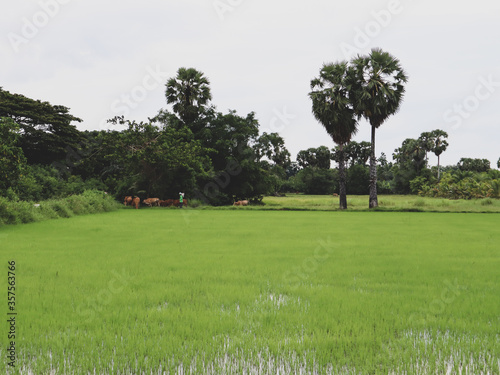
{"x": 22, "y": 212}
{"x": 386, "y": 203}
{"x": 230, "y": 292}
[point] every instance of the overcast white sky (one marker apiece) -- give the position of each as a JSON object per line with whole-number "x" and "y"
{"x": 107, "y": 58}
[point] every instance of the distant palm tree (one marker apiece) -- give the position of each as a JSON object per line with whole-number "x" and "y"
{"x": 189, "y": 91}
{"x": 332, "y": 107}
{"x": 439, "y": 145}
{"x": 379, "y": 89}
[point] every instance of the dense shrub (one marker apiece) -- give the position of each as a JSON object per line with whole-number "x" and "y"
{"x": 317, "y": 181}
{"x": 462, "y": 188}
{"x": 358, "y": 180}
{"x": 90, "y": 201}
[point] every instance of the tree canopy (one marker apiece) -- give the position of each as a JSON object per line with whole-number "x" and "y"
{"x": 46, "y": 131}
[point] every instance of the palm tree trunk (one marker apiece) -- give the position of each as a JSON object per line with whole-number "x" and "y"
{"x": 373, "y": 174}
{"x": 342, "y": 189}
{"x": 438, "y": 169}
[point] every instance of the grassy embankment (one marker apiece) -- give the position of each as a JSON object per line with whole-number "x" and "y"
{"x": 403, "y": 203}
{"x": 22, "y": 212}
{"x": 141, "y": 291}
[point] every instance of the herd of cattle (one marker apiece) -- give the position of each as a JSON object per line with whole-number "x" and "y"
{"x": 153, "y": 202}
{"x": 157, "y": 202}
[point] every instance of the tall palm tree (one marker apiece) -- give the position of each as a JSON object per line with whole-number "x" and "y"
{"x": 439, "y": 145}
{"x": 189, "y": 91}
{"x": 379, "y": 91}
{"x": 333, "y": 108}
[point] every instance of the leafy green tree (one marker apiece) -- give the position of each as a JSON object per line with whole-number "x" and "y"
{"x": 272, "y": 146}
{"x": 316, "y": 181}
{"x": 411, "y": 162}
{"x": 315, "y": 157}
{"x": 358, "y": 179}
{"x": 378, "y": 91}
{"x": 47, "y": 134}
{"x": 498, "y": 163}
{"x": 385, "y": 175}
{"x": 333, "y": 108}
{"x": 355, "y": 153}
{"x": 160, "y": 160}
{"x": 292, "y": 169}
{"x": 189, "y": 92}
{"x": 474, "y": 165}
{"x": 12, "y": 160}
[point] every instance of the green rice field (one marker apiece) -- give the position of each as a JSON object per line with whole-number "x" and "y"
{"x": 246, "y": 291}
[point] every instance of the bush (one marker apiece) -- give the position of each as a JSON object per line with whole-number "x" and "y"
{"x": 317, "y": 181}
{"x": 418, "y": 183}
{"x": 90, "y": 201}
{"x": 487, "y": 202}
{"x": 358, "y": 180}
{"x": 8, "y": 215}
{"x": 194, "y": 203}
{"x": 464, "y": 188}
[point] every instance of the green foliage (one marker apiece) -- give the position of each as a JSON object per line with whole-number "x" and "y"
{"x": 474, "y": 165}
{"x": 12, "y": 160}
{"x": 42, "y": 182}
{"x": 272, "y": 146}
{"x": 317, "y": 181}
{"x": 358, "y": 179}
{"x": 314, "y": 157}
{"x": 189, "y": 92}
{"x": 355, "y": 153}
{"x": 418, "y": 183}
{"x": 463, "y": 188}
{"x": 89, "y": 202}
{"x": 47, "y": 133}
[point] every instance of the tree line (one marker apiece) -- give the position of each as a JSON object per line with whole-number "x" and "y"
{"x": 217, "y": 158}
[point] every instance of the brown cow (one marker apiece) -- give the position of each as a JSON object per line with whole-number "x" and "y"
{"x": 241, "y": 203}
{"x": 162, "y": 203}
{"x": 335, "y": 195}
{"x": 135, "y": 202}
{"x": 151, "y": 201}
{"x": 177, "y": 203}
{"x": 128, "y": 201}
